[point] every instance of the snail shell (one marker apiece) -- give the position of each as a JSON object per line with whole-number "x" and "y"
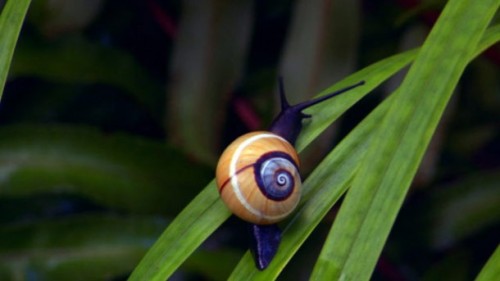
{"x": 258, "y": 178}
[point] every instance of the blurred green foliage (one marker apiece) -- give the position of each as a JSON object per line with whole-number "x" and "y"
{"x": 114, "y": 112}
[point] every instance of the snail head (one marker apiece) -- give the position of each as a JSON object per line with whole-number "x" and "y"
{"x": 288, "y": 123}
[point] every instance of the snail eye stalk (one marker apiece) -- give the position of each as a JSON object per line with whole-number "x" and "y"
{"x": 288, "y": 123}
{"x": 258, "y": 176}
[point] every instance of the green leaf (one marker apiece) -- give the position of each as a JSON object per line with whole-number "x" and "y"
{"x": 491, "y": 269}
{"x": 396, "y": 148}
{"x": 189, "y": 229}
{"x": 327, "y": 112}
{"x": 206, "y": 212}
{"x": 215, "y": 264}
{"x": 328, "y": 181}
{"x": 97, "y": 247}
{"x": 11, "y": 20}
{"x": 333, "y": 176}
{"x": 118, "y": 171}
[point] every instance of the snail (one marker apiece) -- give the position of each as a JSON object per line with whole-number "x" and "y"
{"x": 258, "y": 175}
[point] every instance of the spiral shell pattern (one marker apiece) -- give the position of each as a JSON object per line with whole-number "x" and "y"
{"x": 258, "y": 178}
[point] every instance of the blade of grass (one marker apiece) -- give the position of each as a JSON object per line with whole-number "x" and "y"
{"x": 491, "y": 269}
{"x": 11, "y": 21}
{"x": 322, "y": 189}
{"x": 327, "y": 112}
{"x": 206, "y": 212}
{"x": 326, "y": 184}
{"x": 191, "y": 227}
{"x": 371, "y": 206}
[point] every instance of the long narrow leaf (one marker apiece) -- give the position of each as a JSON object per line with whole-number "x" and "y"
{"x": 328, "y": 181}
{"x": 206, "y": 212}
{"x": 325, "y": 188}
{"x": 372, "y": 204}
{"x": 491, "y": 270}
{"x": 11, "y": 20}
{"x": 191, "y": 227}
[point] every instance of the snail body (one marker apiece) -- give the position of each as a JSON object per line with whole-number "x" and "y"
{"x": 258, "y": 176}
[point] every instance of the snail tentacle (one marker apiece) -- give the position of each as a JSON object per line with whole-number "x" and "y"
{"x": 258, "y": 175}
